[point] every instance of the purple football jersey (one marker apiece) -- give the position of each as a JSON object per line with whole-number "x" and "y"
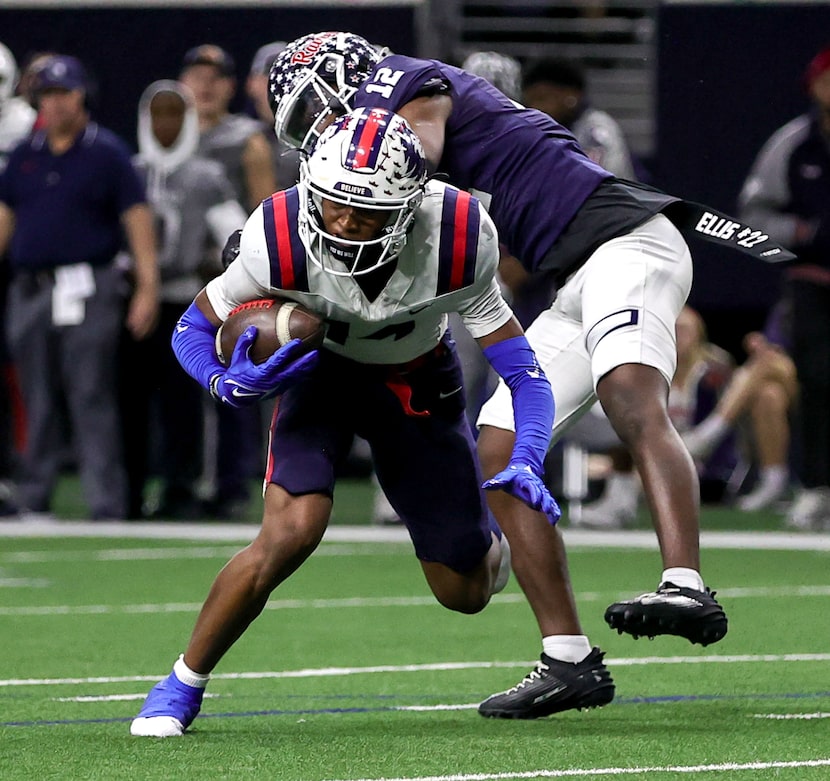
{"x": 532, "y": 169}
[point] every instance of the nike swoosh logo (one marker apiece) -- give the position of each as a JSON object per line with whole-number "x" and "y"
{"x": 547, "y": 695}
{"x": 180, "y": 327}
{"x": 674, "y": 600}
{"x": 239, "y": 393}
{"x": 447, "y": 395}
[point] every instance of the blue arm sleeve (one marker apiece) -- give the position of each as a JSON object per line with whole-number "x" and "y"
{"x": 194, "y": 345}
{"x": 533, "y": 406}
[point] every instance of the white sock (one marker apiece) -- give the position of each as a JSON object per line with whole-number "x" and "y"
{"x": 712, "y": 429}
{"x": 775, "y": 477}
{"x": 566, "y": 648}
{"x": 187, "y": 676}
{"x": 683, "y": 577}
{"x": 706, "y": 436}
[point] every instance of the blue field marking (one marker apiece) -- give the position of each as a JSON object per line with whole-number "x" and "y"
{"x": 393, "y": 708}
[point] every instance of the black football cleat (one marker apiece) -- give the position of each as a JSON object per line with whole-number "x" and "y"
{"x": 671, "y": 610}
{"x": 554, "y": 686}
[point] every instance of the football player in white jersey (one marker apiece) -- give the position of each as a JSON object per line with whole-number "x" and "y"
{"x": 384, "y": 255}
{"x": 17, "y": 117}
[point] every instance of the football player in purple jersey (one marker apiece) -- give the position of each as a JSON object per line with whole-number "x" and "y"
{"x": 622, "y": 271}
{"x": 383, "y": 255}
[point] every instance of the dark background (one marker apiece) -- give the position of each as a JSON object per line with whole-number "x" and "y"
{"x": 727, "y": 76}
{"x": 125, "y": 49}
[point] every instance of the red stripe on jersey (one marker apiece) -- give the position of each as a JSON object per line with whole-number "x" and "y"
{"x": 459, "y": 243}
{"x": 283, "y": 236}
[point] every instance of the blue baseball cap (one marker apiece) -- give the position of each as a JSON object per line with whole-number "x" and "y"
{"x": 61, "y": 72}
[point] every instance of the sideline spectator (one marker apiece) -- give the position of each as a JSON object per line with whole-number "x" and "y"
{"x": 286, "y": 160}
{"x": 558, "y": 87}
{"x": 501, "y": 70}
{"x": 757, "y": 400}
{"x": 787, "y": 193}
{"x": 235, "y": 140}
{"x": 64, "y": 198}
{"x": 239, "y": 144}
{"x": 195, "y": 210}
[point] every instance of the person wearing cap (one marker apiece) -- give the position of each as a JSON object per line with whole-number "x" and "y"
{"x": 286, "y": 160}
{"x": 256, "y": 85}
{"x": 235, "y": 140}
{"x": 559, "y": 87}
{"x": 786, "y": 194}
{"x": 240, "y": 145}
{"x": 67, "y": 196}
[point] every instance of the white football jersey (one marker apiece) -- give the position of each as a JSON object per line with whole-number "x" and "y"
{"x": 17, "y": 118}
{"x": 448, "y": 265}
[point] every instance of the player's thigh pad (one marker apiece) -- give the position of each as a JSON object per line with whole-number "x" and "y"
{"x": 631, "y": 291}
{"x": 426, "y": 463}
{"x": 558, "y": 341}
{"x": 310, "y": 434}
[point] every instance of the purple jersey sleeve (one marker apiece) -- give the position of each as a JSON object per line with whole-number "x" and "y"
{"x": 527, "y": 169}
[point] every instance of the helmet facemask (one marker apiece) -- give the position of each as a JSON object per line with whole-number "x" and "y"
{"x": 318, "y": 94}
{"x": 315, "y": 78}
{"x": 369, "y": 159}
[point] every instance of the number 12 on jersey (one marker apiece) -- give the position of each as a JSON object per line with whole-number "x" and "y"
{"x": 384, "y": 81}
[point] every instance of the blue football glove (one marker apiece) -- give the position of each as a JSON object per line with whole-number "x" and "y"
{"x": 246, "y": 382}
{"x": 521, "y": 481}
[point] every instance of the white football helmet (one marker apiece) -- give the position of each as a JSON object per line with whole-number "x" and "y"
{"x": 8, "y": 73}
{"x": 370, "y": 159}
{"x": 314, "y": 77}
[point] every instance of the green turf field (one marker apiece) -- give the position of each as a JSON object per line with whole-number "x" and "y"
{"x": 354, "y": 672}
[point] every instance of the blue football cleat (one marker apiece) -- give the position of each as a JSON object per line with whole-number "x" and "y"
{"x": 169, "y": 709}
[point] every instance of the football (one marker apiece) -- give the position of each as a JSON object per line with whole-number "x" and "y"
{"x": 278, "y": 322}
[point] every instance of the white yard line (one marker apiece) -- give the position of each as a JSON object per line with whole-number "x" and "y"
{"x": 171, "y": 553}
{"x": 780, "y": 592}
{"x": 227, "y": 532}
{"x": 115, "y": 697}
{"x": 329, "y": 672}
{"x": 727, "y": 767}
{"x": 788, "y": 716}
